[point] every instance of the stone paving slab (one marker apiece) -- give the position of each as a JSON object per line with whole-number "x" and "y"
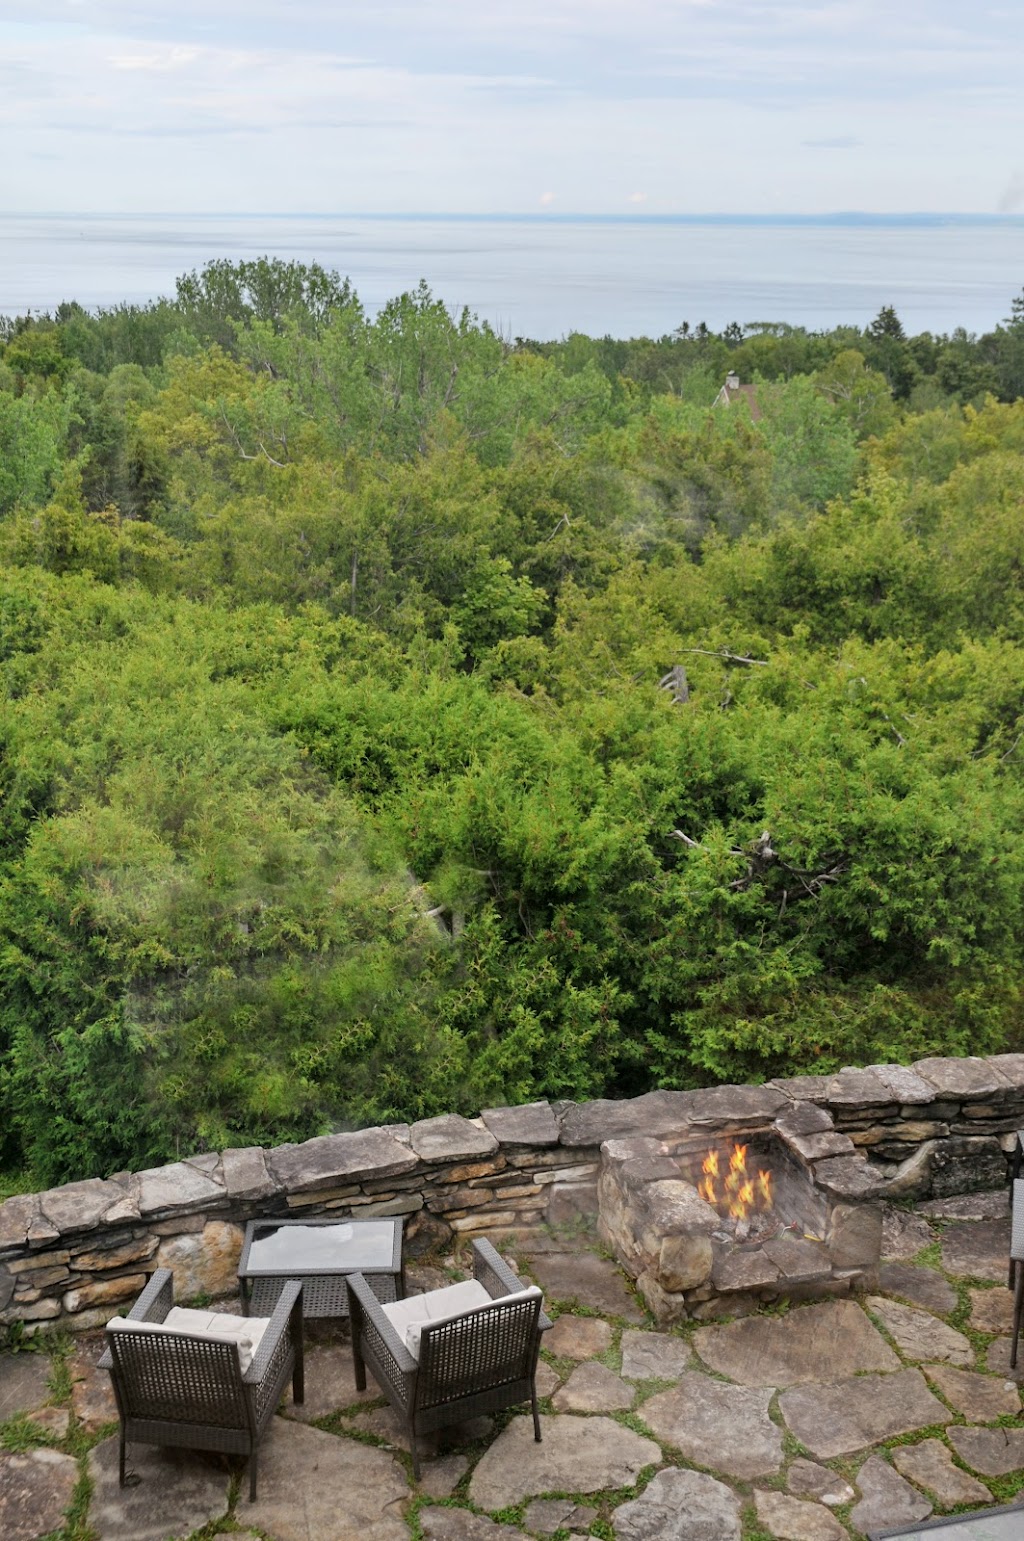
{"x": 921, "y": 1286}
{"x": 886, "y": 1499}
{"x": 806, "y": 1479}
{"x": 919, "y": 1335}
{"x": 593, "y": 1388}
{"x": 577, "y": 1455}
{"x": 177, "y": 1492}
{"x": 36, "y": 1487}
{"x": 590, "y": 1280}
{"x": 981, "y": 1398}
{"x": 653, "y": 1356}
{"x": 577, "y": 1337}
{"x": 993, "y": 1452}
{"x": 680, "y": 1506}
{"x": 904, "y": 1233}
{"x": 322, "y": 1487}
{"x": 791, "y": 1350}
{"x": 54, "y": 1421}
{"x": 24, "y": 1384}
{"x": 991, "y": 1310}
{"x": 463, "y": 1525}
{"x": 968, "y": 1206}
{"x": 725, "y": 1428}
{"x": 92, "y": 1391}
{"x": 329, "y": 1384}
{"x": 977, "y": 1249}
{"x": 794, "y": 1519}
{"x": 997, "y": 1359}
{"x": 839, "y": 1417}
{"x": 442, "y": 1476}
{"x": 384, "y": 1423}
{"x": 930, "y": 1466}
{"x": 546, "y": 1515}
{"x": 548, "y": 1379}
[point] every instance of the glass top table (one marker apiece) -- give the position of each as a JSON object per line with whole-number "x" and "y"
{"x": 320, "y": 1253}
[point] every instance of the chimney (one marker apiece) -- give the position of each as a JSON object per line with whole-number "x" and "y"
{"x": 732, "y": 382}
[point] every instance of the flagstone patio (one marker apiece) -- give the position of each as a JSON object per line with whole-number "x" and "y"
{"x": 808, "y": 1422}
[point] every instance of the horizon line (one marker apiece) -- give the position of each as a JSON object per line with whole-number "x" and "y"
{"x": 545, "y": 216}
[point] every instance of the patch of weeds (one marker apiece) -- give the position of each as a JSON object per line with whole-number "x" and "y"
{"x": 59, "y": 1379}
{"x": 1004, "y": 1489}
{"x": 512, "y": 1514}
{"x": 929, "y": 1256}
{"x": 333, "y": 1423}
{"x": 898, "y": 1441}
{"x": 562, "y": 1367}
{"x": 753, "y": 1530}
{"x": 629, "y": 1420}
{"x": 645, "y": 1389}
{"x": 780, "y": 1307}
{"x": 579, "y": 1229}
{"x": 15, "y": 1338}
{"x": 76, "y": 1524}
{"x": 20, "y": 1433}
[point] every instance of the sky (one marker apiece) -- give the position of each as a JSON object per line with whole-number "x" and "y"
{"x": 511, "y": 106}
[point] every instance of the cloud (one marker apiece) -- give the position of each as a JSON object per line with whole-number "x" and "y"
{"x": 546, "y": 200}
{"x": 461, "y": 106}
{"x": 159, "y": 63}
{"x": 837, "y": 142}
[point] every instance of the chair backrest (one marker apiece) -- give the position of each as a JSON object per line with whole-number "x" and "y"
{"x": 173, "y": 1378}
{"x": 487, "y": 1347}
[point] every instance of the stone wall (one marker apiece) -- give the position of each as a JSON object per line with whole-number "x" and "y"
{"x": 71, "y": 1255}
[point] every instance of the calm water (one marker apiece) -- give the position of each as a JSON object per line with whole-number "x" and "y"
{"x": 544, "y": 277}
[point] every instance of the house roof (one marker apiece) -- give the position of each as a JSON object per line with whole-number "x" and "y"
{"x": 732, "y": 391}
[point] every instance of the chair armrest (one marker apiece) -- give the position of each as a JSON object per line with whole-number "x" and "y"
{"x": 387, "y": 1351}
{"x": 491, "y": 1270}
{"x": 152, "y": 1306}
{"x": 287, "y": 1318}
{"x": 156, "y": 1299}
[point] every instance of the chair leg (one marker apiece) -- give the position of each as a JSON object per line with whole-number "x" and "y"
{"x": 414, "y": 1449}
{"x": 298, "y": 1338}
{"x": 536, "y": 1414}
{"x": 252, "y": 1476}
{"x": 358, "y": 1363}
{"x": 1018, "y": 1311}
{"x": 120, "y": 1473}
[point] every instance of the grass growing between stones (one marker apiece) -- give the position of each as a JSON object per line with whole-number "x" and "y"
{"x": 645, "y": 1389}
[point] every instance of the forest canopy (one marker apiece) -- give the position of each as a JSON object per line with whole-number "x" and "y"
{"x": 400, "y": 718}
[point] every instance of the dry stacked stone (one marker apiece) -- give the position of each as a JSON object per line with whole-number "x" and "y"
{"x": 72, "y": 1255}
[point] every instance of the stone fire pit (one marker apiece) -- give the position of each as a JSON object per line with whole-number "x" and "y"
{"x": 715, "y": 1220}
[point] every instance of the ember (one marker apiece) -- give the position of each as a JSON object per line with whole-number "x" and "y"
{"x": 735, "y": 1193}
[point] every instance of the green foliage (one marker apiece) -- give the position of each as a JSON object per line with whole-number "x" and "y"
{"x": 32, "y": 432}
{"x": 338, "y": 784}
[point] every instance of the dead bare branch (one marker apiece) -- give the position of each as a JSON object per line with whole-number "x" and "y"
{"x": 726, "y": 656}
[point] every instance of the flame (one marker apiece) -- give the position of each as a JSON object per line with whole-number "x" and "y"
{"x": 739, "y": 1193}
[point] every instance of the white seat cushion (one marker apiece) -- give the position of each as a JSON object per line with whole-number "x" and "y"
{"x": 410, "y": 1316}
{"x": 244, "y": 1332}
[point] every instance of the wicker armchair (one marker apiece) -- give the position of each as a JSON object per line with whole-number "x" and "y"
{"x": 478, "y": 1362}
{"x": 1016, "y": 1279}
{"x": 174, "y": 1388}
